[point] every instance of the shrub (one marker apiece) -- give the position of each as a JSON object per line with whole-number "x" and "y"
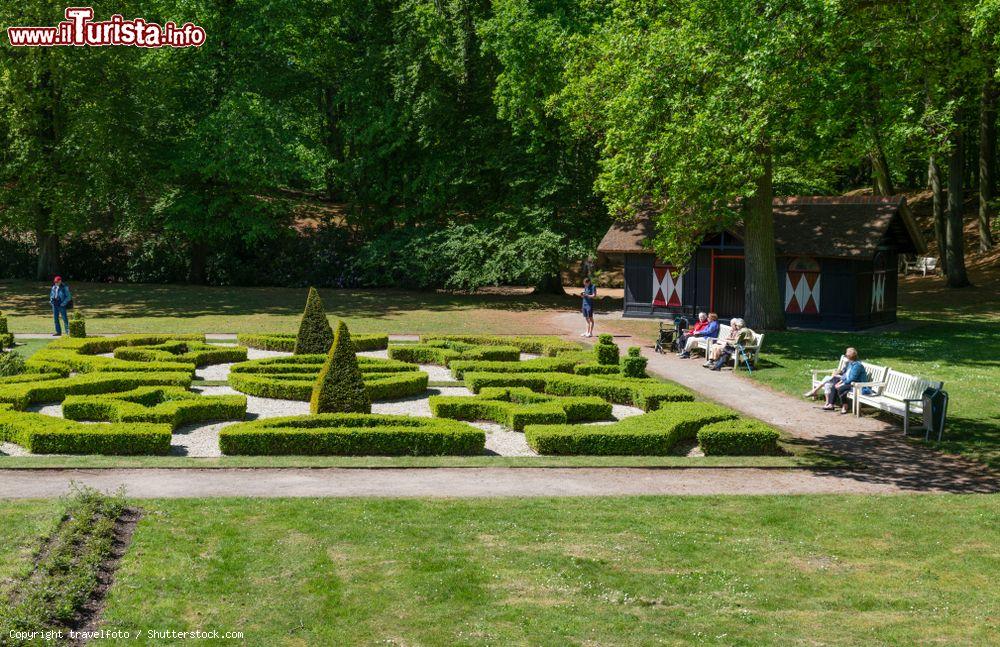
{"x": 646, "y": 394}
{"x": 293, "y": 378}
{"x": 634, "y": 364}
{"x": 174, "y": 406}
{"x": 536, "y": 345}
{"x": 286, "y": 342}
{"x": 517, "y": 407}
{"x": 189, "y": 352}
{"x": 538, "y": 365}
{"x": 606, "y": 350}
{"x": 11, "y": 364}
{"x": 77, "y": 325}
{"x": 593, "y": 368}
{"x": 67, "y": 355}
{"x": 352, "y": 434}
{"x": 6, "y": 337}
{"x": 651, "y": 434}
{"x": 444, "y": 352}
{"x": 315, "y": 334}
{"x": 340, "y": 387}
{"x": 54, "y": 388}
{"x": 741, "y": 437}
{"x": 3, "y": 324}
{"x": 41, "y": 434}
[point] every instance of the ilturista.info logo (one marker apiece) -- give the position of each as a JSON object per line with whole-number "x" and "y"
{"x": 81, "y": 30}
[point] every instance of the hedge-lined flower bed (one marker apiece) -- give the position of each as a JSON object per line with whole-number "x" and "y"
{"x": 534, "y": 344}
{"x": 352, "y": 434}
{"x": 517, "y": 407}
{"x": 82, "y": 355}
{"x": 540, "y": 365}
{"x": 285, "y": 342}
{"x": 41, "y": 434}
{"x": 651, "y": 434}
{"x": 646, "y": 394}
{"x": 174, "y": 406}
{"x": 742, "y": 437}
{"x": 445, "y": 352}
{"x": 190, "y": 352}
{"x": 22, "y": 394}
{"x": 292, "y": 378}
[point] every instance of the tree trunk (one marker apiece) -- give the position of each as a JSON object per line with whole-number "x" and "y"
{"x": 880, "y": 172}
{"x": 198, "y": 270}
{"x": 48, "y": 255}
{"x": 987, "y": 146}
{"x": 550, "y": 284}
{"x": 763, "y": 301}
{"x": 940, "y": 221}
{"x": 954, "y": 234}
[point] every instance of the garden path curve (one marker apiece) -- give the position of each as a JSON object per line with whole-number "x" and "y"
{"x": 878, "y": 448}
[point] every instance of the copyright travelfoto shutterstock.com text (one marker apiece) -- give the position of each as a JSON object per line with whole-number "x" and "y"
{"x": 81, "y": 30}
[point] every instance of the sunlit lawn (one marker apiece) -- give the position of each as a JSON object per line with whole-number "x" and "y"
{"x": 718, "y": 570}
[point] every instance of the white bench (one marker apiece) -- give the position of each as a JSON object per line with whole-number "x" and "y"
{"x": 705, "y": 343}
{"x": 899, "y": 393}
{"x": 750, "y": 351}
{"x": 924, "y": 264}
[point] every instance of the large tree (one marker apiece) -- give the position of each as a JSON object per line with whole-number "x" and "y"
{"x": 704, "y": 108}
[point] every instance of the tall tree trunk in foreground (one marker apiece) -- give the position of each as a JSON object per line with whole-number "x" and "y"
{"x": 48, "y": 255}
{"x": 940, "y": 222}
{"x": 987, "y": 150}
{"x": 954, "y": 234}
{"x": 551, "y": 283}
{"x": 763, "y": 301}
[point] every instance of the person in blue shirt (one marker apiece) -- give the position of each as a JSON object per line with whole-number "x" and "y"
{"x": 711, "y": 331}
{"x": 59, "y": 298}
{"x": 840, "y": 385}
{"x": 588, "y": 294}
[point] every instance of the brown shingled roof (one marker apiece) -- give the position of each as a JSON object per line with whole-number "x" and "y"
{"x": 852, "y": 226}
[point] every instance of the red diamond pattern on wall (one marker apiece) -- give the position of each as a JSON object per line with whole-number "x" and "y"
{"x": 802, "y": 292}
{"x": 668, "y": 286}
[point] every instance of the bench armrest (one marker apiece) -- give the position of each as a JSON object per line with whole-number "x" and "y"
{"x": 875, "y": 386}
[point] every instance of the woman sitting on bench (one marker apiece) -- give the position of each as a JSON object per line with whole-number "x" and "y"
{"x": 722, "y": 352}
{"x": 840, "y": 384}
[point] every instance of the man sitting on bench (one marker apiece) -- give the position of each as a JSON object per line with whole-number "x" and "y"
{"x": 710, "y": 330}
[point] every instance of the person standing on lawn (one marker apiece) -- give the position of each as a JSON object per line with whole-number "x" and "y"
{"x": 59, "y": 299}
{"x": 588, "y": 294}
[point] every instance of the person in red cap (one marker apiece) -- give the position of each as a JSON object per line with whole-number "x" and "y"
{"x": 59, "y": 298}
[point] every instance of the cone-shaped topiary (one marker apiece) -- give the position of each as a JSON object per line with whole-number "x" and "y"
{"x": 77, "y": 326}
{"x": 340, "y": 387}
{"x": 315, "y": 335}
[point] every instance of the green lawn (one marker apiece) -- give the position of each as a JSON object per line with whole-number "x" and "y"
{"x": 718, "y": 570}
{"x": 21, "y": 526}
{"x": 124, "y": 308}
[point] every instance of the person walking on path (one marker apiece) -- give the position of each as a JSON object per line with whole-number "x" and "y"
{"x": 60, "y": 299}
{"x": 588, "y": 294}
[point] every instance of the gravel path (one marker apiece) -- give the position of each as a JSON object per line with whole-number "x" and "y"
{"x": 437, "y": 482}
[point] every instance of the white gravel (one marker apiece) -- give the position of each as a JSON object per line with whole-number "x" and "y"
{"x": 501, "y": 441}
{"x": 53, "y": 409}
{"x": 10, "y": 449}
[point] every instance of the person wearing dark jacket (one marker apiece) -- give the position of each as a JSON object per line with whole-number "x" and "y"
{"x": 59, "y": 299}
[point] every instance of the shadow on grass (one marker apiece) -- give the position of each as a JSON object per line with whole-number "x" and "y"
{"x": 185, "y": 301}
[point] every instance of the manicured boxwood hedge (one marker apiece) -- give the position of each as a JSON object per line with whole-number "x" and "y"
{"x": 41, "y": 434}
{"x": 536, "y": 344}
{"x": 517, "y": 407}
{"x": 606, "y": 350}
{"x": 285, "y": 342}
{"x": 634, "y": 364}
{"x": 445, "y": 352}
{"x": 315, "y": 334}
{"x": 81, "y": 355}
{"x": 651, "y": 434}
{"x": 352, "y": 434}
{"x": 539, "y": 365}
{"x": 47, "y": 389}
{"x": 189, "y": 352}
{"x": 647, "y": 394}
{"x": 593, "y": 368}
{"x": 743, "y": 437}
{"x": 174, "y": 406}
{"x": 6, "y": 340}
{"x": 292, "y": 378}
